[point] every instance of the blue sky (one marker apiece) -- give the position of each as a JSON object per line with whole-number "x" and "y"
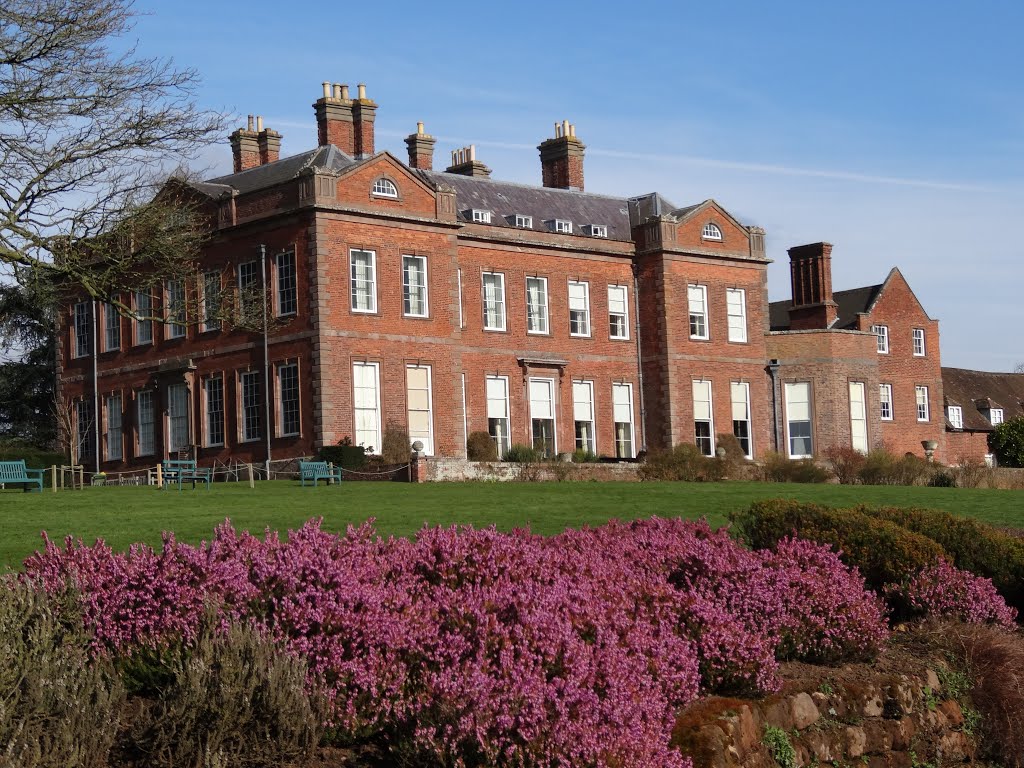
{"x": 893, "y": 130}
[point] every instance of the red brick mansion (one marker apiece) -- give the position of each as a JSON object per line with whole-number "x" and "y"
{"x": 450, "y": 302}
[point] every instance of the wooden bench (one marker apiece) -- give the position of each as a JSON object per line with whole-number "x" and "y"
{"x": 183, "y": 471}
{"x": 318, "y": 470}
{"x": 17, "y": 472}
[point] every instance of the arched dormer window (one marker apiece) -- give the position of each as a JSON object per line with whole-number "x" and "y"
{"x": 385, "y": 188}
{"x": 711, "y": 232}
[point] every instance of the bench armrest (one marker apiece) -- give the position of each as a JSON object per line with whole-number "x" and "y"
{"x": 37, "y": 472}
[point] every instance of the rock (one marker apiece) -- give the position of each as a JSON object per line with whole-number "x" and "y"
{"x": 954, "y": 715}
{"x": 820, "y": 700}
{"x": 822, "y": 747}
{"x": 873, "y": 706}
{"x": 748, "y": 736}
{"x": 953, "y": 747}
{"x": 779, "y": 714}
{"x": 932, "y": 680}
{"x": 878, "y": 738}
{"x": 804, "y": 712}
{"x": 856, "y": 741}
{"x": 902, "y": 734}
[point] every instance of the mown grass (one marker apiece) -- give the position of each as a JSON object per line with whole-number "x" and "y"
{"x": 122, "y": 516}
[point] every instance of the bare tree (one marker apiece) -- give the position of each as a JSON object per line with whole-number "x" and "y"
{"x": 1019, "y": 368}
{"x": 87, "y": 138}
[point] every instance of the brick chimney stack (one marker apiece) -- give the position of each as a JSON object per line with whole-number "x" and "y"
{"x": 810, "y": 268}
{"x": 245, "y": 150}
{"x": 364, "y": 112}
{"x": 561, "y": 158}
{"x": 334, "y": 119}
{"x": 421, "y": 149}
{"x": 269, "y": 142}
{"x": 464, "y": 163}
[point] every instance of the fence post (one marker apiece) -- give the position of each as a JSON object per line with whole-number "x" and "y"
{"x": 53, "y": 477}
{"x": 251, "y": 483}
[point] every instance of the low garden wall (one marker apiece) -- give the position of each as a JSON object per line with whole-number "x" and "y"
{"x": 438, "y": 469}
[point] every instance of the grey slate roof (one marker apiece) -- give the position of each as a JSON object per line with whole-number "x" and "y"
{"x": 850, "y": 303}
{"x": 504, "y": 200}
{"x": 262, "y": 176}
{"x": 971, "y": 389}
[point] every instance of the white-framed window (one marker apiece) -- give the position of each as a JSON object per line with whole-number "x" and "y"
{"x": 798, "y": 420}
{"x": 212, "y": 295}
{"x": 494, "y": 301}
{"x": 366, "y": 392}
{"x": 213, "y": 405}
{"x": 524, "y": 222}
{"x": 736, "y": 308}
{"x": 363, "y": 279}
{"x": 177, "y": 418}
{"x": 622, "y": 420}
{"x": 882, "y": 332}
{"x": 711, "y": 232}
{"x": 498, "y": 414}
{"x": 252, "y": 405}
{"x": 919, "y": 349}
{"x": 143, "y": 318}
{"x": 598, "y": 230}
{"x": 579, "y": 308}
{"x": 481, "y": 216}
{"x": 250, "y": 291}
{"x": 420, "y": 406}
{"x": 703, "y": 417}
{"x": 85, "y": 423}
{"x": 563, "y": 226}
{"x": 536, "y": 305}
{"x": 956, "y": 416}
{"x": 414, "y": 286}
{"x": 458, "y": 276}
{"x": 114, "y": 442}
{"x": 83, "y": 329}
{"x": 111, "y": 328}
{"x": 618, "y": 312}
{"x": 739, "y": 392}
{"x": 583, "y": 415}
{"x": 698, "y": 300}
{"x": 858, "y": 417}
{"x": 385, "y": 188}
{"x": 288, "y": 400}
{"x": 175, "y": 293}
{"x": 542, "y": 415}
{"x": 921, "y": 394}
{"x": 287, "y": 296}
{"x": 145, "y": 420}
{"x": 885, "y": 401}
{"x": 996, "y": 416}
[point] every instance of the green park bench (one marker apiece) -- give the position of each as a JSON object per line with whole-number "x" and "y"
{"x": 318, "y": 470}
{"x": 17, "y": 472}
{"x": 182, "y": 471}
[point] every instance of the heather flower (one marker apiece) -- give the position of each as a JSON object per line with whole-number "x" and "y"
{"x": 944, "y": 591}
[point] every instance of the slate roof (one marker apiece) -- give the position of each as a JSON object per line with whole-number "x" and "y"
{"x": 262, "y": 176}
{"x": 504, "y": 200}
{"x": 850, "y": 303}
{"x": 971, "y": 389}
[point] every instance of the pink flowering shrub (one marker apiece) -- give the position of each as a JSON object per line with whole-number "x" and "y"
{"x": 941, "y": 590}
{"x": 472, "y": 647}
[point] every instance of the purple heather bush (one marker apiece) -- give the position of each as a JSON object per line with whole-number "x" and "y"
{"x": 941, "y": 590}
{"x": 470, "y": 647}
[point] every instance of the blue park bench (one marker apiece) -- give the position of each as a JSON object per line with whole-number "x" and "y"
{"x": 318, "y": 470}
{"x": 184, "y": 470}
{"x": 17, "y": 472}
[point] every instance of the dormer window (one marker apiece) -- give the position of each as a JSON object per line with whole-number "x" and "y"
{"x": 563, "y": 226}
{"x": 996, "y": 416}
{"x": 598, "y": 230}
{"x": 711, "y": 232}
{"x": 385, "y": 188}
{"x": 956, "y": 416}
{"x": 523, "y": 222}
{"x": 481, "y": 216}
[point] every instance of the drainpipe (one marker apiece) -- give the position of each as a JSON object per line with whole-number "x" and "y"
{"x": 639, "y": 361}
{"x": 773, "y": 371}
{"x": 95, "y": 387}
{"x": 266, "y": 354}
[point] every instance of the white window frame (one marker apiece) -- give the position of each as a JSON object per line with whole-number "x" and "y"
{"x": 744, "y": 402}
{"x": 920, "y": 349}
{"x": 885, "y": 399}
{"x": 549, "y": 383}
{"x": 523, "y": 222}
{"x": 174, "y": 308}
{"x": 996, "y": 416}
{"x": 579, "y": 320}
{"x": 586, "y": 388}
{"x": 711, "y": 231}
{"x": 407, "y": 286}
{"x": 365, "y": 288}
{"x": 694, "y": 290}
{"x": 111, "y": 327}
{"x": 250, "y": 288}
{"x": 537, "y": 320}
{"x": 921, "y": 397}
{"x": 498, "y": 301}
{"x": 145, "y": 422}
{"x": 210, "y": 413}
{"x": 281, "y": 420}
{"x": 624, "y": 314}
{"x": 458, "y": 276}
{"x": 281, "y": 288}
{"x": 362, "y": 436}
{"x": 788, "y": 388}
{"x": 212, "y": 323}
{"x": 426, "y": 438}
{"x": 178, "y": 423}
{"x": 82, "y": 329}
{"x": 250, "y": 421}
{"x": 736, "y": 310}
{"x": 481, "y": 216}
{"x": 627, "y": 389}
{"x": 115, "y": 443}
{"x": 383, "y": 187}
{"x": 503, "y": 441}
{"x": 881, "y": 338}
{"x": 955, "y": 414}
{"x": 858, "y": 416}
{"x": 563, "y": 226}
{"x": 598, "y": 230}
{"x": 696, "y": 386}
{"x": 143, "y": 318}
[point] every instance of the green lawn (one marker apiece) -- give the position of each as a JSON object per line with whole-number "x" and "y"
{"x": 125, "y": 515}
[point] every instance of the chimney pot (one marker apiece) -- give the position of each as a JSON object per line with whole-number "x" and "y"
{"x": 419, "y": 128}
{"x": 250, "y": 123}
{"x": 336, "y": 90}
{"x": 362, "y": 91}
{"x": 259, "y": 123}
{"x": 327, "y": 90}
{"x": 344, "y": 92}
